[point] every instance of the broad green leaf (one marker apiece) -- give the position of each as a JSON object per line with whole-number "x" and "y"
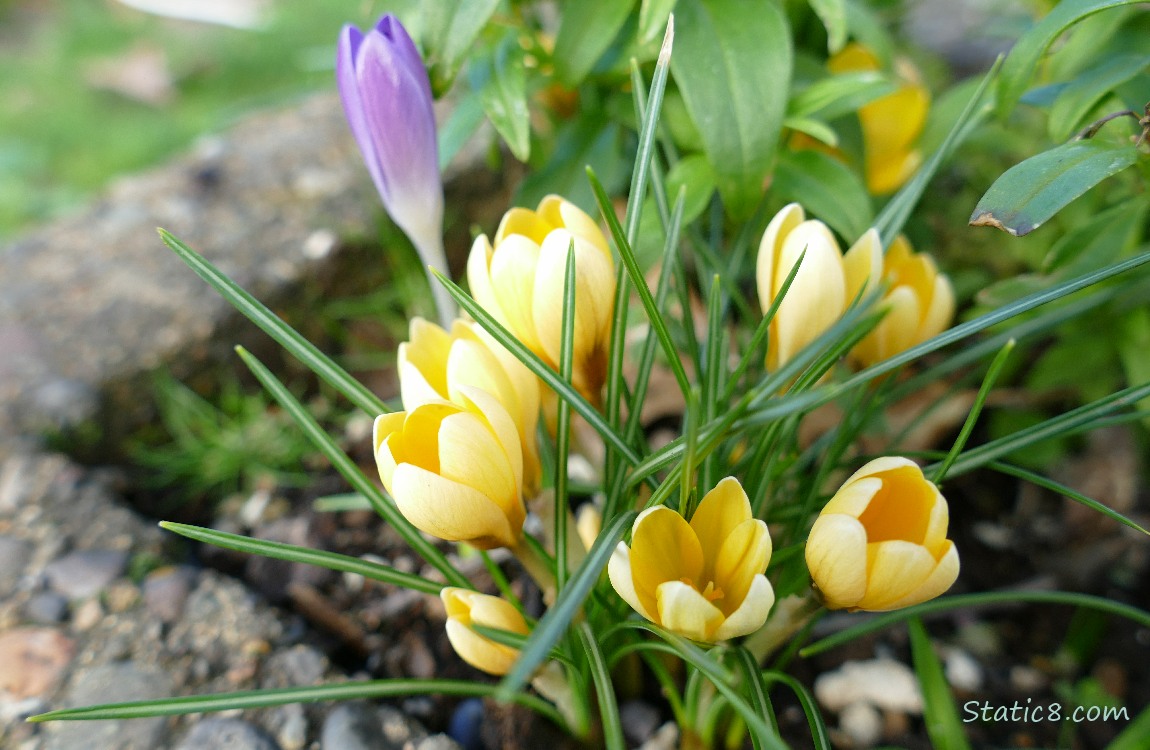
{"x": 653, "y": 15}
{"x": 1133, "y": 737}
{"x": 816, "y": 129}
{"x": 833, "y": 14}
{"x": 692, "y": 174}
{"x": 586, "y": 31}
{"x": 837, "y": 95}
{"x": 1028, "y": 51}
{"x": 870, "y": 30}
{"x": 733, "y": 66}
{"x": 450, "y": 28}
{"x": 940, "y": 713}
{"x": 460, "y": 126}
{"x": 1081, "y": 95}
{"x": 586, "y": 141}
{"x": 1028, "y": 194}
{"x": 827, "y": 188}
{"x": 505, "y": 98}
{"x": 1099, "y": 241}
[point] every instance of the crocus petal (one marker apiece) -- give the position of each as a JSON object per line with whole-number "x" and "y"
{"x": 879, "y": 466}
{"x": 816, "y": 297}
{"x": 898, "y": 330}
{"x": 525, "y": 223}
{"x": 894, "y": 569}
{"x": 450, "y": 510}
{"x": 940, "y": 311}
{"x": 854, "y": 497}
{"x": 862, "y": 265}
{"x": 482, "y": 653}
{"x": 751, "y": 614}
{"x": 663, "y": 547}
{"x": 744, "y": 554}
{"x": 770, "y": 247}
{"x": 683, "y": 610}
{"x": 941, "y": 578}
{"x": 347, "y": 51}
{"x": 619, "y": 573}
{"x": 513, "y": 281}
{"x": 500, "y": 423}
{"x": 469, "y": 455}
{"x": 836, "y": 554}
{"x": 720, "y": 511}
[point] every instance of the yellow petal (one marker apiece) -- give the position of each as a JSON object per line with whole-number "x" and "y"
{"x": 470, "y": 363}
{"x": 426, "y": 349}
{"x": 685, "y": 611}
{"x": 450, "y": 510}
{"x": 878, "y": 466}
{"x": 940, "y": 313}
{"x": 482, "y": 653}
{"x": 770, "y": 247}
{"x": 622, "y": 579}
{"x": 721, "y": 510}
{"x": 384, "y": 425}
{"x": 886, "y": 172}
{"x": 744, "y": 555}
{"x": 751, "y": 614}
{"x": 901, "y": 509}
{"x": 525, "y": 223}
{"x": 663, "y": 548}
{"x": 414, "y": 388}
{"x": 862, "y": 265}
{"x": 935, "y": 539}
{"x": 892, "y": 123}
{"x": 943, "y": 576}
{"x": 500, "y": 423}
{"x": 898, "y": 330}
{"x": 513, "y": 280}
{"x": 479, "y": 277}
{"x": 470, "y": 455}
{"x": 493, "y": 612}
{"x": 851, "y": 58}
{"x": 894, "y": 569}
{"x": 817, "y": 296}
{"x": 854, "y": 496}
{"x": 581, "y": 225}
{"x": 836, "y": 554}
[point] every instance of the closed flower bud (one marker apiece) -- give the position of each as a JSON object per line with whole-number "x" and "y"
{"x": 387, "y": 99}
{"x": 520, "y": 281}
{"x": 703, "y": 579}
{"x": 466, "y": 608}
{"x": 820, "y": 292}
{"x": 880, "y": 543}
{"x": 919, "y": 304}
{"x": 455, "y": 470}
{"x": 434, "y": 364}
{"x": 890, "y": 124}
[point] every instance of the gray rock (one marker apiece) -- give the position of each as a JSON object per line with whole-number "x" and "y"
{"x": 438, "y": 742}
{"x": 166, "y": 591}
{"x": 46, "y": 608}
{"x": 351, "y": 726}
{"x": 295, "y": 667}
{"x": 226, "y": 734}
{"x": 14, "y": 556}
{"x": 640, "y": 720}
{"x": 83, "y": 574}
{"x": 111, "y": 683}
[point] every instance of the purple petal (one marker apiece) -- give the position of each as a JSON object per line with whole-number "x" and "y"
{"x": 347, "y": 53}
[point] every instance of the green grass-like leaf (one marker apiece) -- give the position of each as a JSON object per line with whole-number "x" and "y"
{"x": 604, "y": 690}
{"x": 819, "y": 734}
{"x": 368, "y": 689}
{"x": 1061, "y": 489}
{"x": 939, "y": 711}
{"x": 285, "y": 335}
{"x": 347, "y": 468}
{"x": 976, "y": 409}
{"x": 563, "y": 420}
{"x": 307, "y": 555}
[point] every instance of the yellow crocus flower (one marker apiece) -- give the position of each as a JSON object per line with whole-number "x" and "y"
{"x": 880, "y": 543}
{"x": 821, "y": 289}
{"x": 434, "y": 364}
{"x": 703, "y": 579}
{"x": 520, "y": 280}
{"x": 919, "y": 302}
{"x": 466, "y": 608}
{"x": 890, "y": 124}
{"x": 455, "y": 470}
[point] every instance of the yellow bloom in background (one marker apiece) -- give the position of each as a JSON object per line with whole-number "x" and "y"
{"x": 890, "y": 124}
{"x": 466, "y": 608}
{"x": 919, "y": 302}
{"x": 820, "y": 292}
{"x": 880, "y": 543}
{"x": 520, "y": 282}
{"x": 703, "y": 579}
{"x": 434, "y": 364}
{"x": 455, "y": 470}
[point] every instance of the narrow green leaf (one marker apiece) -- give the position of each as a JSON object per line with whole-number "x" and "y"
{"x": 834, "y": 96}
{"x": 451, "y": 27}
{"x": 505, "y": 97}
{"x": 585, "y": 32}
{"x": 1028, "y": 51}
{"x": 1079, "y": 96}
{"x": 563, "y": 420}
{"x": 833, "y": 14}
{"x": 306, "y": 555}
{"x": 1133, "y": 737}
{"x": 963, "y": 601}
{"x": 943, "y": 725}
{"x": 341, "y": 691}
{"x": 756, "y": 690}
{"x": 348, "y": 469}
{"x": 819, "y": 734}
{"x": 285, "y": 335}
{"x": 734, "y": 71}
{"x": 816, "y": 129}
{"x": 461, "y": 124}
{"x": 653, "y": 15}
{"x": 1061, "y": 489}
{"x": 972, "y": 418}
{"x": 561, "y": 614}
{"x": 649, "y": 115}
{"x": 604, "y": 690}
{"x": 1029, "y": 193}
{"x": 692, "y": 174}
{"x": 827, "y": 188}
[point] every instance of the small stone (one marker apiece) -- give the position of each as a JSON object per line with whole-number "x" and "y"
{"x": 121, "y": 596}
{"x": 351, "y": 726}
{"x": 398, "y": 728}
{"x": 883, "y": 683}
{"x": 667, "y": 738}
{"x": 87, "y": 615}
{"x": 46, "y": 608}
{"x": 84, "y": 574}
{"x": 640, "y": 720}
{"x": 32, "y": 661}
{"x": 295, "y": 667}
{"x": 233, "y": 734}
{"x": 465, "y": 722}
{"x": 166, "y": 591}
{"x": 962, "y": 670}
{"x": 14, "y": 556}
{"x": 1027, "y": 679}
{"x": 862, "y": 723}
{"x": 290, "y": 726}
{"x": 437, "y": 742}
{"x": 112, "y": 683}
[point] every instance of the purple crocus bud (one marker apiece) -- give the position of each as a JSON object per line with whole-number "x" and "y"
{"x": 387, "y": 98}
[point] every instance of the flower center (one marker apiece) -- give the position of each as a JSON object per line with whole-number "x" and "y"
{"x": 711, "y": 592}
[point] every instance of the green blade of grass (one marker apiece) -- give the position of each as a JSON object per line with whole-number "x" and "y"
{"x": 367, "y": 689}
{"x": 604, "y": 690}
{"x": 1061, "y": 489}
{"x": 939, "y": 711}
{"x": 819, "y": 734}
{"x": 563, "y": 420}
{"x": 347, "y": 468}
{"x": 979, "y": 401}
{"x": 756, "y": 690}
{"x": 560, "y": 615}
{"x": 285, "y": 335}
{"x": 647, "y": 132}
{"x": 306, "y": 555}
{"x": 989, "y": 598}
